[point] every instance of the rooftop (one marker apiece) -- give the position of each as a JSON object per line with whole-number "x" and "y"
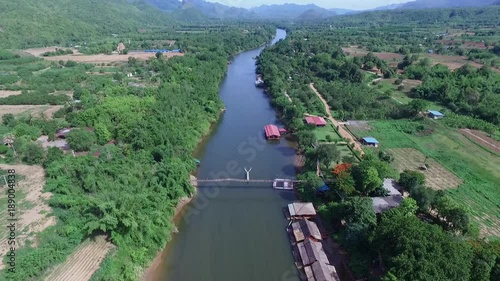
{"x": 301, "y": 209}
{"x": 315, "y": 120}
{"x": 370, "y": 140}
{"x": 312, "y": 251}
{"x": 272, "y": 131}
{"x": 304, "y": 229}
{"x": 436, "y": 113}
{"x": 319, "y": 271}
{"x": 392, "y": 200}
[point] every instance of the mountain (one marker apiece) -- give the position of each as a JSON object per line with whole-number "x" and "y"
{"x": 290, "y": 11}
{"x": 47, "y": 22}
{"x": 425, "y": 4}
{"x": 339, "y": 11}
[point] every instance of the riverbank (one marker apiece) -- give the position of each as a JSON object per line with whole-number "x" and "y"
{"x": 181, "y": 205}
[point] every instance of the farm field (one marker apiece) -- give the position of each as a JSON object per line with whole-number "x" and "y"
{"x": 34, "y": 110}
{"x": 84, "y": 262}
{"x": 33, "y": 216}
{"x": 99, "y": 58}
{"x": 478, "y": 168}
{"x": 452, "y": 62}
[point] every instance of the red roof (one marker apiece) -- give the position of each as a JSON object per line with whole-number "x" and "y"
{"x": 315, "y": 120}
{"x": 282, "y": 130}
{"x": 272, "y": 131}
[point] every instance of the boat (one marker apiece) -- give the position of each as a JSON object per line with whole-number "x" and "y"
{"x": 198, "y": 162}
{"x": 259, "y": 82}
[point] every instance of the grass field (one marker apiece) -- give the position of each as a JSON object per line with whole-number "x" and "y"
{"x": 322, "y": 132}
{"x": 478, "y": 168}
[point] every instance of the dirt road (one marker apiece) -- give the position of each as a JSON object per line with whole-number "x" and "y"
{"x": 342, "y": 131}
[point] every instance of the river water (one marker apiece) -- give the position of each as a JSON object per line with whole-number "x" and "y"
{"x": 236, "y": 232}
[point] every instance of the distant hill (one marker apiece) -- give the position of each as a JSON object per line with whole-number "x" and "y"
{"x": 26, "y": 23}
{"x": 424, "y": 4}
{"x": 291, "y": 11}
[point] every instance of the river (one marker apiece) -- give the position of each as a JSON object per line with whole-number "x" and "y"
{"x": 236, "y": 232}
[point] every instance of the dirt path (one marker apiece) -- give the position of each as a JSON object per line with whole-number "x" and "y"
{"x": 483, "y": 139}
{"x": 342, "y": 131}
{"x": 84, "y": 262}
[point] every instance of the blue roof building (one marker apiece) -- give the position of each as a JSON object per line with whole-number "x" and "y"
{"x": 323, "y": 188}
{"x": 434, "y": 114}
{"x": 370, "y": 141}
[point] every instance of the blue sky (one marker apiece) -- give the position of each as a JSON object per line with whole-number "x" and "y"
{"x": 346, "y": 4}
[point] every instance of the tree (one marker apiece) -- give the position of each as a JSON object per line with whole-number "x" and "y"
{"x": 327, "y": 153}
{"x": 410, "y": 179}
{"x": 360, "y": 210}
{"x": 415, "y": 250}
{"x": 310, "y": 185}
{"x": 424, "y": 197}
{"x": 366, "y": 177}
{"x": 158, "y": 55}
{"x": 306, "y": 138}
{"x": 53, "y": 154}
{"x": 80, "y": 139}
{"x": 33, "y": 154}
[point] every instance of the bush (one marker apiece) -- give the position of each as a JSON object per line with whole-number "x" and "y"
{"x": 410, "y": 179}
{"x": 33, "y": 154}
{"x": 3, "y": 149}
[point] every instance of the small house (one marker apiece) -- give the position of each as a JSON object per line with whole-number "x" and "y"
{"x": 301, "y": 210}
{"x": 434, "y": 114}
{"x": 319, "y": 271}
{"x": 312, "y": 251}
{"x": 316, "y": 121}
{"x": 392, "y": 200}
{"x": 369, "y": 141}
{"x": 272, "y": 132}
{"x": 305, "y": 229}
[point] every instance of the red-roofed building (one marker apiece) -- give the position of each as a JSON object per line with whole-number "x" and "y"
{"x": 315, "y": 120}
{"x": 272, "y": 132}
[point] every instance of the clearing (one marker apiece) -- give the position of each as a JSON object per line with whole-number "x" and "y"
{"x": 436, "y": 176}
{"x": 84, "y": 262}
{"x": 4, "y": 94}
{"x": 99, "y": 58}
{"x": 34, "y": 110}
{"x": 32, "y": 209}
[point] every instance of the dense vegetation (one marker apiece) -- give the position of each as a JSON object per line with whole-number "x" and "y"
{"x": 431, "y": 235}
{"x": 138, "y": 161}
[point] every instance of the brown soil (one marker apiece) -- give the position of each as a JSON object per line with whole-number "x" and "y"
{"x": 33, "y": 211}
{"x": 437, "y": 177}
{"x": 35, "y": 110}
{"x": 482, "y": 139}
{"x": 84, "y": 262}
{"x": 342, "y": 131}
{"x": 4, "y": 94}
{"x": 102, "y": 58}
{"x": 39, "y": 51}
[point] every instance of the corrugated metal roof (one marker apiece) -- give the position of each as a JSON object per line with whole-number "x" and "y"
{"x": 304, "y": 229}
{"x": 315, "y": 120}
{"x": 301, "y": 209}
{"x": 311, "y": 251}
{"x": 272, "y": 131}
{"x": 436, "y": 113}
{"x": 370, "y": 140}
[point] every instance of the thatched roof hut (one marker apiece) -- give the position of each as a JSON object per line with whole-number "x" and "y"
{"x": 304, "y": 229}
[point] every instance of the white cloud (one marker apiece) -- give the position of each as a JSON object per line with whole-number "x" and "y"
{"x": 345, "y": 4}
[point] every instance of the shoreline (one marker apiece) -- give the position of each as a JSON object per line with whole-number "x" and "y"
{"x": 179, "y": 208}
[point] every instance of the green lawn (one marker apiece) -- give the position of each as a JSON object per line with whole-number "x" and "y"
{"x": 322, "y": 132}
{"x": 477, "y": 167}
